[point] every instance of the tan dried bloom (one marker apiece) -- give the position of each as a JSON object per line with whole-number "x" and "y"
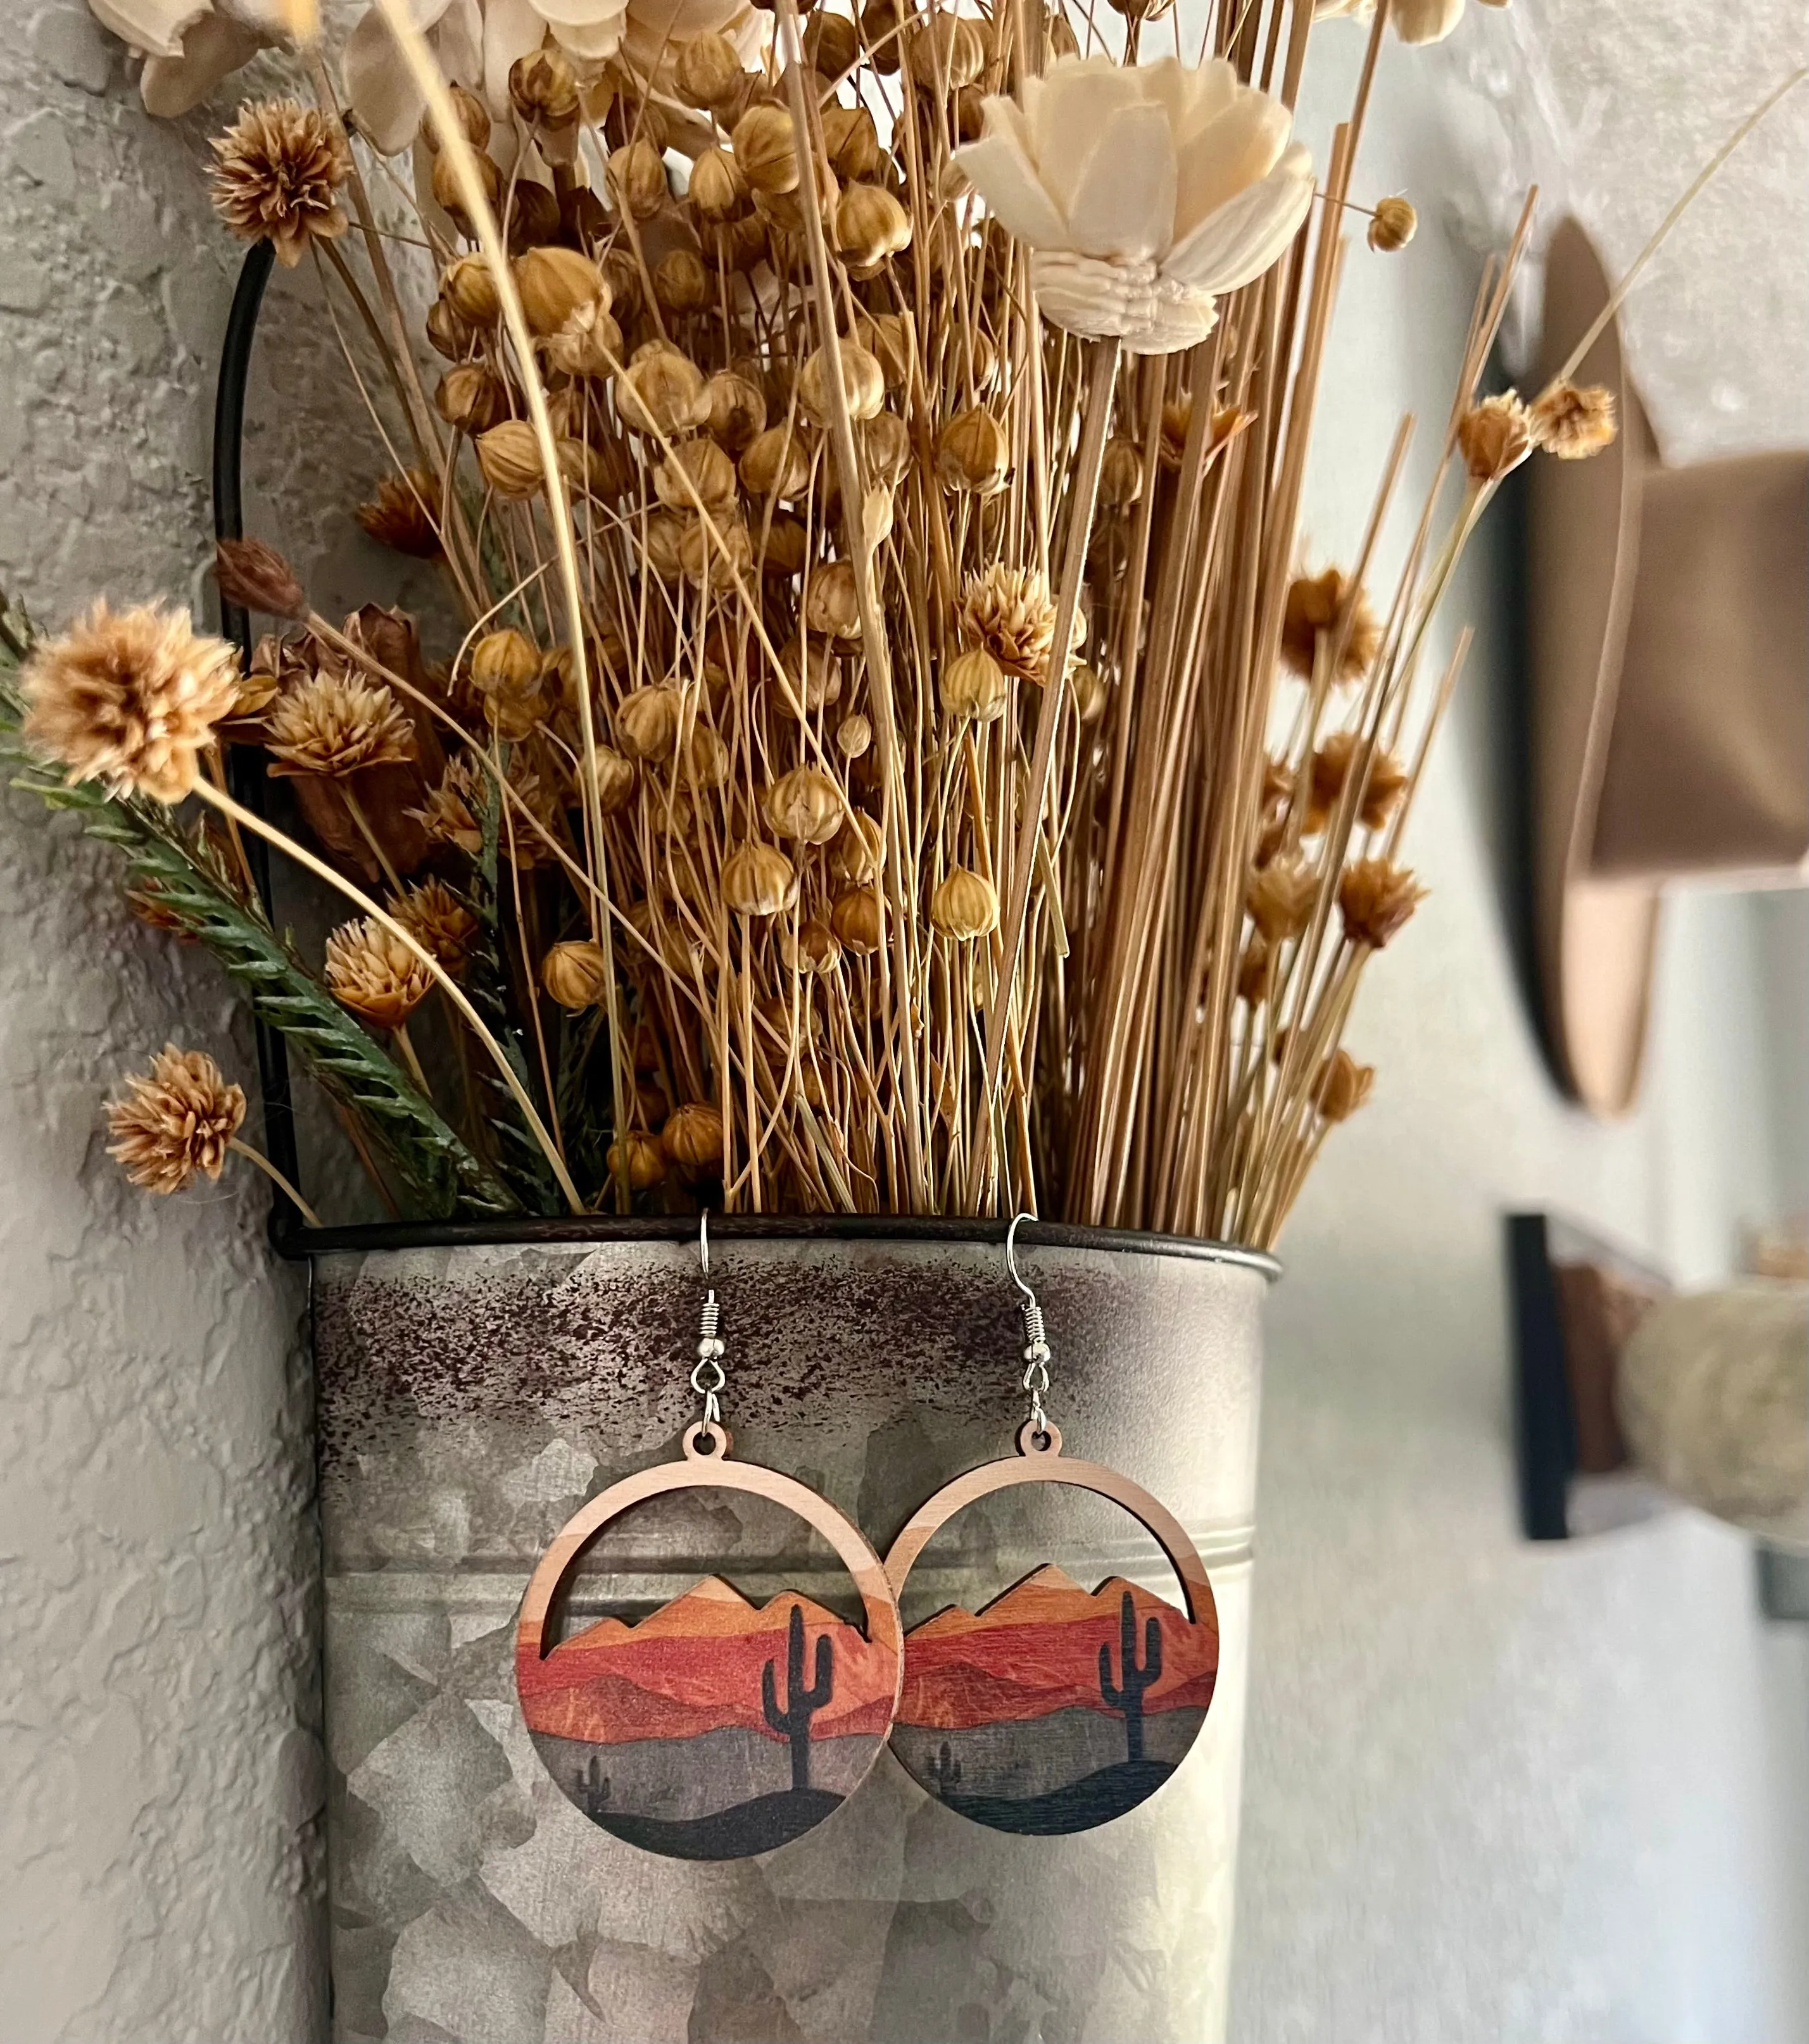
{"x": 1281, "y": 897}
{"x": 371, "y": 971}
{"x": 437, "y": 918}
{"x": 693, "y": 1135}
{"x": 453, "y": 812}
{"x": 575, "y": 974}
{"x": 1311, "y": 610}
{"x": 400, "y": 516}
{"x": 1574, "y": 423}
{"x": 640, "y": 1157}
{"x": 1343, "y": 1086}
{"x": 130, "y": 698}
{"x": 1376, "y": 897}
{"x": 1382, "y": 790}
{"x": 1393, "y": 226}
{"x": 276, "y": 177}
{"x": 963, "y": 905}
{"x": 175, "y": 1121}
{"x": 1008, "y": 611}
{"x": 256, "y": 577}
{"x": 1494, "y": 437}
{"x": 334, "y": 724}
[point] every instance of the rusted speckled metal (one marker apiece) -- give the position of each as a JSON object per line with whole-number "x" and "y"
{"x": 471, "y": 1397}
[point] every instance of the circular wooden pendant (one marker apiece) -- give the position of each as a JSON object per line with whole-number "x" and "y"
{"x": 715, "y": 1728}
{"x": 1054, "y": 1708}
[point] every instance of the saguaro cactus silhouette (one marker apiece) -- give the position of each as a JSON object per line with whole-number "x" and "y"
{"x": 947, "y": 1771}
{"x": 1127, "y": 1695}
{"x": 595, "y": 1784}
{"x": 801, "y": 1703}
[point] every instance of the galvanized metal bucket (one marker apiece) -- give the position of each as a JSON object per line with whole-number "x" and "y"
{"x": 475, "y": 1388}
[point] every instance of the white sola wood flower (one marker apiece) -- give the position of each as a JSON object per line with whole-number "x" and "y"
{"x": 1142, "y": 191}
{"x": 189, "y": 46}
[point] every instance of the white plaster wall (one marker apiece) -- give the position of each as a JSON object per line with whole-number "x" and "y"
{"x": 158, "y": 1785}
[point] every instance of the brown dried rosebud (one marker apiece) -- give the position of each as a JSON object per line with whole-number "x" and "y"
{"x": 1376, "y": 897}
{"x": 1281, "y": 897}
{"x": 1342, "y": 1087}
{"x": 256, "y": 577}
{"x": 1574, "y": 422}
{"x": 1494, "y": 437}
{"x": 1311, "y": 613}
{"x": 1393, "y": 225}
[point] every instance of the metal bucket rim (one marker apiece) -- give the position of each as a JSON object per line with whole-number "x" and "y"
{"x": 311, "y": 1243}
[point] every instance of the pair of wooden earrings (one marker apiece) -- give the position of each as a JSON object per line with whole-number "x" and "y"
{"x": 714, "y": 1729}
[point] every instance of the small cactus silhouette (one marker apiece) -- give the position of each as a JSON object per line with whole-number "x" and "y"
{"x": 595, "y": 1784}
{"x": 1127, "y": 1695}
{"x": 945, "y": 1772}
{"x": 801, "y": 1703}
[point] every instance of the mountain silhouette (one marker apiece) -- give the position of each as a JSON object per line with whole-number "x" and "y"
{"x": 695, "y": 1665}
{"x": 1035, "y": 1650}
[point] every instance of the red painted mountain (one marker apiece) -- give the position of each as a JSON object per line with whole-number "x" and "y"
{"x": 694, "y": 1666}
{"x": 1036, "y": 1649}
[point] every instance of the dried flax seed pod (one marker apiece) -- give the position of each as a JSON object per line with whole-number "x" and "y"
{"x": 805, "y": 804}
{"x": 468, "y": 285}
{"x": 1121, "y": 474}
{"x": 975, "y": 685}
{"x": 635, "y": 174}
{"x": 553, "y": 282}
{"x": 765, "y": 146}
{"x": 973, "y": 453}
{"x": 759, "y": 880}
{"x": 857, "y": 853}
{"x": 696, "y": 469}
{"x": 852, "y": 141}
{"x": 647, "y": 723}
{"x": 945, "y": 52}
{"x": 787, "y": 548}
{"x": 681, "y": 283}
{"x": 831, "y": 602}
{"x": 639, "y": 1158}
{"x": 737, "y": 410}
{"x": 693, "y": 1136}
{"x": 716, "y": 556}
{"x": 776, "y": 464}
{"x": 709, "y": 70}
{"x": 856, "y": 920}
{"x": 964, "y": 905}
{"x": 718, "y": 187}
{"x": 510, "y": 456}
{"x": 575, "y": 974}
{"x": 471, "y": 396}
{"x": 662, "y": 392}
{"x": 832, "y": 43}
{"x": 863, "y": 382}
{"x": 870, "y": 227}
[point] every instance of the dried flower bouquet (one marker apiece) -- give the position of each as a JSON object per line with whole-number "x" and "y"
{"x": 894, "y": 759}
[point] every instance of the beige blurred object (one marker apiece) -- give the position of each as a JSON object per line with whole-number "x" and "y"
{"x": 1669, "y": 638}
{"x": 1712, "y": 1393}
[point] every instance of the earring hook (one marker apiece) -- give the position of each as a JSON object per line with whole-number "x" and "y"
{"x": 703, "y": 1240}
{"x": 1011, "y": 1255}
{"x": 1036, "y": 1339}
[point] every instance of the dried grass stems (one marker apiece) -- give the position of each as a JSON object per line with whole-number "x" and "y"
{"x": 897, "y": 759}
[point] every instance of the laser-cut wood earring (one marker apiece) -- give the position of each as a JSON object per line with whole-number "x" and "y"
{"x": 712, "y": 1729}
{"x": 1053, "y": 1708}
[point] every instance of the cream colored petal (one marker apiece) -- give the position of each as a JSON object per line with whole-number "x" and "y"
{"x": 212, "y": 50}
{"x": 1084, "y": 296}
{"x": 1177, "y": 318}
{"x": 1426, "y": 20}
{"x": 458, "y": 43}
{"x": 1126, "y": 204}
{"x": 511, "y": 28}
{"x": 588, "y": 28}
{"x": 157, "y": 27}
{"x": 1012, "y": 190}
{"x": 1079, "y": 95}
{"x": 1192, "y": 95}
{"x": 384, "y": 101}
{"x": 1239, "y": 241}
{"x": 1228, "y": 155}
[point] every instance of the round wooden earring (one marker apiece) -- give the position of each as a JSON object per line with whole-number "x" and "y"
{"x": 1053, "y": 1708}
{"x": 713, "y": 1729}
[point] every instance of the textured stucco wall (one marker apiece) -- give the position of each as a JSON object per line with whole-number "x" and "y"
{"x": 158, "y": 1786}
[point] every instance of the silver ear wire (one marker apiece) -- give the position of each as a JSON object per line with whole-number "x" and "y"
{"x": 1036, "y": 1337}
{"x": 708, "y": 1378}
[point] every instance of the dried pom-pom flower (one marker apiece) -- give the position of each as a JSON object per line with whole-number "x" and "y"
{"x": 370, "y": 970}
{"x": 1281, "y": 897}
{"x": 256, "y": 577}
{"x": 975, "y": 685}
{"x": 1494, "y": 437}
{"x": 1008, "y": 611}
{"x": 130, "y": 698}
{"x": 1343, "y": 1086}
{"x": 1382, "y": 790}
{"x": 576, "y": 974}
{"x": 276, "y": 176}
{"x": 1310, "y": 612}
{"x": 759, "y": 880}
{"x": 1574, "y": 422}
{"x": 963, "y": 905}
{"x": 806, "y": 804}
{"x": 1375, "y": 897}
{"x": 439, "y": 920}
{"x": 175, "y": 1122}
{"x": 400, "y": 516}
{"x": 692, "y": 1136}
{"x": 1393, "y": 225}
{"x": 334, "y": 725}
